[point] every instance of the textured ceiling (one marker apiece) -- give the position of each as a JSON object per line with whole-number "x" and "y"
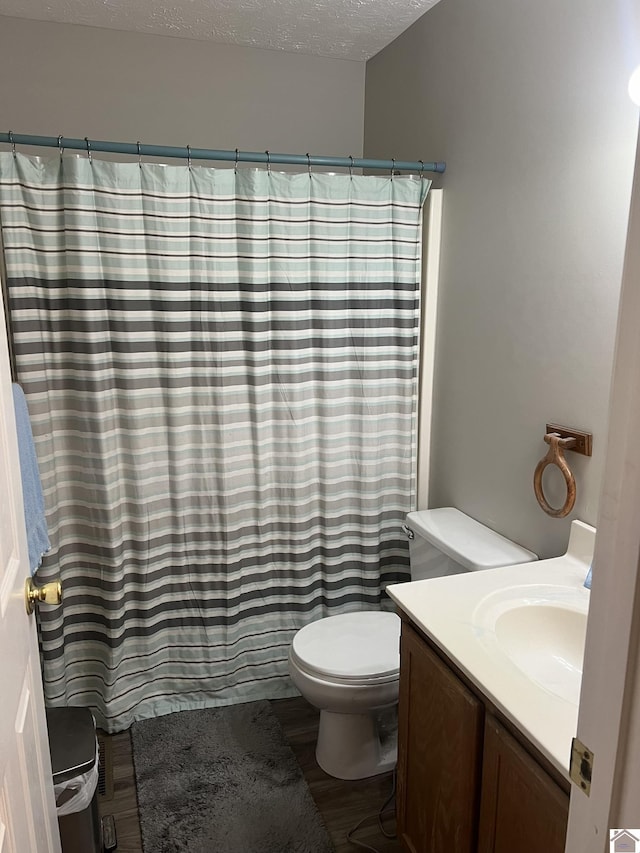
{"x": 349, "y": 29}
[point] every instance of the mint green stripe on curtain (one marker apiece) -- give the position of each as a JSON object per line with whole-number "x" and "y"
{"x": 221, "y": 374}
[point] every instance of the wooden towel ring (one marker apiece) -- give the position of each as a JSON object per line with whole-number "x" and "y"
{"x": 555, "y": 456}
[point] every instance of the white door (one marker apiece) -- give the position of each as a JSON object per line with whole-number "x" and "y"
{"x": 609, "y": 717}
{"x": 28, "y": 821}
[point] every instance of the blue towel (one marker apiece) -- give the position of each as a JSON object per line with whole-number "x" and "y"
{"x": 37, "y": 534}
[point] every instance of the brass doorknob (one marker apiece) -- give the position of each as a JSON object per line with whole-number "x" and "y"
{"x": 50, "y": 593}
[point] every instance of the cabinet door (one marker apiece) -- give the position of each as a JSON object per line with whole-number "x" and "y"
{"x": 439, "y": 750}
{"x": 522, "y": 807}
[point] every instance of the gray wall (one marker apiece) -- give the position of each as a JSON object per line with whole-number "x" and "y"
{"x": 528, "y": 104}
{"x": 105, "y": 84}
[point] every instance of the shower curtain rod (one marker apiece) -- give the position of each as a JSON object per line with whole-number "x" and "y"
{"x": 137, "y": 149}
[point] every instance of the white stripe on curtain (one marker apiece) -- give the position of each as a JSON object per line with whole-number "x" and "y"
{"x": 221, "y": 375}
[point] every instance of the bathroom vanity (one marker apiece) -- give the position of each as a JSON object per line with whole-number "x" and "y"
{"x": 466, "y": 781}
{"x": 490, "y": 671}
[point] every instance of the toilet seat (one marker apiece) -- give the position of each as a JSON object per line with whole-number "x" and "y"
{"x": 352, "y": 648}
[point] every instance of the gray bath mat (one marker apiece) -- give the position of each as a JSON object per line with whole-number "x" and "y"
{"x": 223, "y": 780}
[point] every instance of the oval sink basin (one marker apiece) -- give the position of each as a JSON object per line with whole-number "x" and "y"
{"x": 541, "y": 629}
{"x": 546, "y": 642}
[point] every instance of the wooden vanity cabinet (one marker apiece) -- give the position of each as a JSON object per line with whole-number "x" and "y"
{"x": 465, "y": 784}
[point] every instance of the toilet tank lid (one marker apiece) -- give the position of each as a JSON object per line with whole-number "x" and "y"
{"x": 465, "y": 540}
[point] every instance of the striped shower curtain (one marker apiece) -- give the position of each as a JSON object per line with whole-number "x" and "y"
{"x": 220, "y": 370}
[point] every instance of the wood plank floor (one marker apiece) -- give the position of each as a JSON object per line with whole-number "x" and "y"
{"x": 342, "y": 804}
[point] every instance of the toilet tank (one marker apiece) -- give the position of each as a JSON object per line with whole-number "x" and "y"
{"x": 445, "y": 541}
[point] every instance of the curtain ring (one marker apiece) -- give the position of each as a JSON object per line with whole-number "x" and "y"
{"x": 13, "y": 144}
{"x": 86, "y": 139}
{"x": 189, "y": 157}
{"x": 268, "y": 162}
{"x": 555, "y": 456}
{"x": 139, "y": 154}
{"x": 235, "y": 169}
{"x": 60, "y": 146}
{"x": 421, "y": 169}
{"x": 351, "y": 167}
{"x": 309, "y": 164}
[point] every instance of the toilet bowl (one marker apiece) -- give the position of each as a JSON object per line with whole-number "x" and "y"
{"x": 348, "y": 665}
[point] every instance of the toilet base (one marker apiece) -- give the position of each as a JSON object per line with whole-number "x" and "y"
{"x": 357, "y": 746}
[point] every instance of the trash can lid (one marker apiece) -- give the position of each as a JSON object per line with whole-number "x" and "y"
{"x": 72, "y": 742}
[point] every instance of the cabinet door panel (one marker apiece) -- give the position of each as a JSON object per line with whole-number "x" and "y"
{"x": 522, "y": 807}
{"x": 440, "y": 739}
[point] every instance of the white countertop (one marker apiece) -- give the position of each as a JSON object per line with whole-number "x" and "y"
{"x": 455, "y": 613}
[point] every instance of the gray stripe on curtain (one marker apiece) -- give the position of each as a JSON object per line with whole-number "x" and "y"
{"x": 221, "y": 373}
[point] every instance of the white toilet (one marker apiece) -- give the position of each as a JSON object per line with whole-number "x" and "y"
{"x": 348, "y": 665}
